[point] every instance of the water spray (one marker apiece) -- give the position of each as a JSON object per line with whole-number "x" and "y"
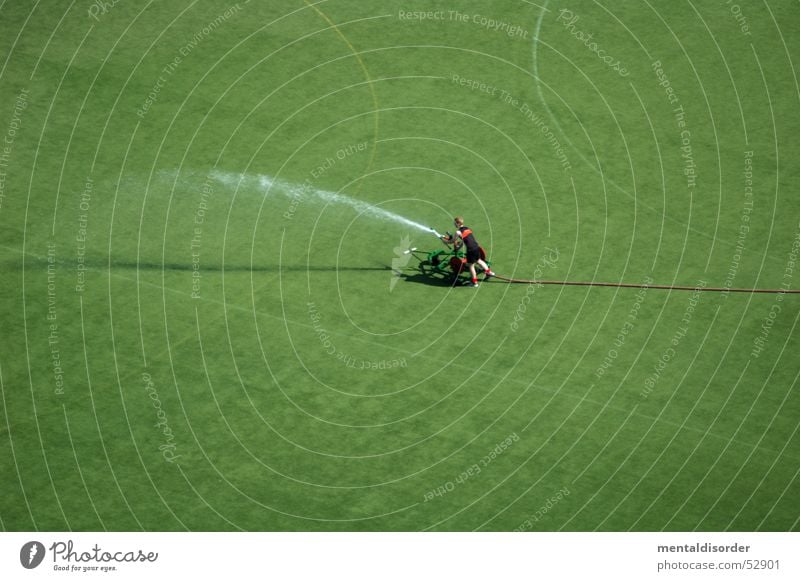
{"x": 272, "y": 186}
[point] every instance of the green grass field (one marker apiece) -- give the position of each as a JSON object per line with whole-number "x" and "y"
{"x": 185, "y": 348}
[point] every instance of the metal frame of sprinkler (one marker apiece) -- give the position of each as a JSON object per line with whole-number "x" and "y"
{"x": 440, "y": 262}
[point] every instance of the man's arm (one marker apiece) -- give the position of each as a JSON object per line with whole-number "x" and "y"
{"x": 454, "y": 239}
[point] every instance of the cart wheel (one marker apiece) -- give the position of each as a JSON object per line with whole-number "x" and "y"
{"x": 456, "y": 265}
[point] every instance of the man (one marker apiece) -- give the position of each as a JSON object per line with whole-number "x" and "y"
{"x": 464, "y": 236}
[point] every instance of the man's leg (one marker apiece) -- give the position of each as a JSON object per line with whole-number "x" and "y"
{"x": 485, "y": 268}
{"x": 473, "y": 273}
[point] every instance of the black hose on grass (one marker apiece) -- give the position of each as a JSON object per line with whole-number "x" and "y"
{"x": 655, "y": 286}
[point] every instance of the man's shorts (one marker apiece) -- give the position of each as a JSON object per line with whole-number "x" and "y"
{"x": 473, "y": 256}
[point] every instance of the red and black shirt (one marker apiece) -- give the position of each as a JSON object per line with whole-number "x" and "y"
{"x": 468, "y": 238}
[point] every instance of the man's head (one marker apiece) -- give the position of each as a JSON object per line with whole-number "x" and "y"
{"x": 458, "y": 221}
